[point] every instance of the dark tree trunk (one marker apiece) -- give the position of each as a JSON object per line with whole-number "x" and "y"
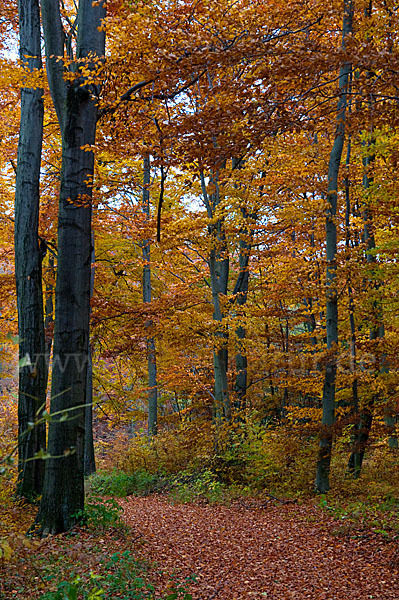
{"x": 352, "y": 352}
{"x": 28, "y": 264}
{"x": 240, "y": 295}
{"x": 377, "y": 331}
{"x": 365, "y": 410}
{"x": 322, "y": 483}
{"x": 219, "y": 275}
{"x": 75, "y": 103}
{"x": 89, "y": 456}
{"x": 147, "y": 293}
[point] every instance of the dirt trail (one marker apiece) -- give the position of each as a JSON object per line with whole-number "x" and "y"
{"x": 253, "y": 552}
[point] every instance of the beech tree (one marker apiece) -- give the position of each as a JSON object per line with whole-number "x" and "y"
{"x": 147, "y": 293}
{"x": 29, "y": 252}
{"x": 324, "y": 458}
{"x": 75, "y": 100}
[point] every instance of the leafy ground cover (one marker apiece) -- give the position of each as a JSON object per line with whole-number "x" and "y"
{"x": 97, "y": 561}
{"x": 182, "y": 533}
{"x": 254, "y": 549}
{"x": 203, "y": 541}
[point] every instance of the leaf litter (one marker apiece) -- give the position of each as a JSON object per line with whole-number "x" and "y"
{"x": 238, "y": 552}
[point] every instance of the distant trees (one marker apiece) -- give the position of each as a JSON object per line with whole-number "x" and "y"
{"x": 241, "y": 305}
{"x": 245, "y": 95}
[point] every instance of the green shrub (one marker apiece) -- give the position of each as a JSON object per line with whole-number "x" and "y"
{"x": 101, "y": 514}
{"x": 121, "y": 484}
{"x": 121, "y": 577}
{"x": 203, "y": 485}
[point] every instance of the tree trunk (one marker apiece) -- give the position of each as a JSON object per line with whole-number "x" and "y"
{"x": 377, "y": 331}
{"x": 150, "y": 341}
{"x": 28, "y": 264}
{"x": 49, "y": 313}
{"x": 89, "y": 456}
{"x": 352, "y": 346}
{"x": 322, "y": 483}
{"x": 75, "y": 104}
{"x": 365, "y": 412}
{"x": 219, "y": 275}
{"x": 240, "y": 295}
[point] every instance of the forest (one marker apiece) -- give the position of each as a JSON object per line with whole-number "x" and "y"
{"x": 199, "y": 318}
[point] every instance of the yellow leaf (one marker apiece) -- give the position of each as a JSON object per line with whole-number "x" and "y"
{"x": 5, "y": 550}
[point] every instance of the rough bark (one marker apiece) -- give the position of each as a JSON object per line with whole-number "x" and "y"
{"x": 322, "y": 483}
{"x": 147, "y": 293}
{"x": 75, "y": 103}
{"x": 29, "y": 253}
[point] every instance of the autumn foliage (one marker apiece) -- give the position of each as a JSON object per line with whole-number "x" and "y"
{"x": 211, "y": 194}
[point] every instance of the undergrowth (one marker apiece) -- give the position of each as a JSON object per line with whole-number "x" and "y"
{"x": 122, "y": 484}
{"x": 251, "y": 459}
{"x": 96, "y": 561}
{"x": 119, "y": 576}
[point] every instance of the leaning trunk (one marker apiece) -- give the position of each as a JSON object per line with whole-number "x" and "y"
{"x": 322, "y": 483}
{"x": 28, "y": 264}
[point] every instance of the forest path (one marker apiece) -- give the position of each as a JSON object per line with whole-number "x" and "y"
{"x": 254, "y": 551}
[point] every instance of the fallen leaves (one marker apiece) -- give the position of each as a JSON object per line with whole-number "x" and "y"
{"x": 277, "y": 553}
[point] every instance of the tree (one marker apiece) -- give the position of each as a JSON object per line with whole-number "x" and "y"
{"x": 89, "y": 455}
{"x": 29, "y": 253}
{"x": 150, "y": 341}
{"x": 75, "y": 100}
{"x": 324, "y": 458}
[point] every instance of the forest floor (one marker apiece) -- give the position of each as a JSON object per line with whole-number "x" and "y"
{"x": 254, "y": 550}
{"x": 251, "y": 549}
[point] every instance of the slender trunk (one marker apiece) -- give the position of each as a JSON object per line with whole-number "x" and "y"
{"x": 28, "y": 263}
{"x": 75, "y": 104}
{"x": 278, "y": 409}
{"x": 365, "y": 412}
{"x": 240, "y": 295}
{"x": 284, "y": 344}
{"x": 322, "y": 483}
{"x": 240, "y": 386}
{"x": 89, "y": 456}
{"x": 219, "y": 274}
{"x": 352, "y": 346}
{"x": 377, "y": 331}
{"x": 49, "y": 313}
{"x": 391, "y": 420}
{"x": 150, "y": 341}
